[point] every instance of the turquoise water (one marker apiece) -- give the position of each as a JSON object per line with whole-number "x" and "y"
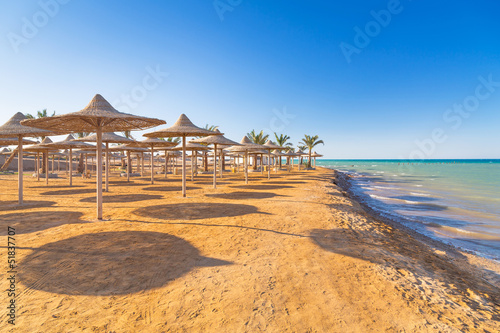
{"x": 455, "y": 201}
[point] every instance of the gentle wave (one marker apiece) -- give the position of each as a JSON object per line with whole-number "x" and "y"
{"x": 420, "y": 194}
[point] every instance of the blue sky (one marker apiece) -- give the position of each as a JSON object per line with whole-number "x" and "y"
{"x": 274, "y": 65}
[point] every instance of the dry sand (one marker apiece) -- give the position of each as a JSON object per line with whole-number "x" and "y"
{"x": 293, "y": 254}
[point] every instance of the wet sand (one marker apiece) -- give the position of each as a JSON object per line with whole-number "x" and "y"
{"x": 293, "y": 254}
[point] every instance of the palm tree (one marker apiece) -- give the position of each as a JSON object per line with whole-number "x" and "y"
{"x": 258, "y": 138}
{"x": 82, "y": 134}
{"x": 41, "y": 114}
{"x": 128, "y": 134}
{"x": 281, "y": 140}
{"x": 310, "y": 142}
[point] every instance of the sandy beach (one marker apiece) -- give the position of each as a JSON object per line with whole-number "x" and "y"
{"x": 290, "y": 254}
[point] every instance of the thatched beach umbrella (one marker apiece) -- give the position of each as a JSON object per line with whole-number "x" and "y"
{"x": 98, "y": 116}
{"x": 299, "y": 153}
{"x": 41, "y": 147}
{"x": 128, "y": 148}
{"x": 69, "y": 143}
{"x": 216, "y": 140}
{"x": 107, "y": 138}
{"x": 168, "y": 153}
{"x": 15, "y": 141}
{"x": 314, "y": 155}
{"x": 271, "y": 146}
{"x": 194, "y": 148}
{"x": 13, "y": 128}
{"x": 183, "y": 127}
{"x": 244, "y": 146}
{"x": 153, "y": 143}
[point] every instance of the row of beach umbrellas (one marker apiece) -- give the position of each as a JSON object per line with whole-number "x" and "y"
{"x": 101, "y": 118}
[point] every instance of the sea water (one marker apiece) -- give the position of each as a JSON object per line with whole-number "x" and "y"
{"x": 454, "y": 201}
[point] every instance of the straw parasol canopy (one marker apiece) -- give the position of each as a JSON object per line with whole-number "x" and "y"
{"x": 98, "y": 116}
{"x": 41, "y": 147}
{"x": 314, "y": 155}
{"x": 183, "y": 127}
{"x": 153, "y": 143}
{"x": 194, "y": 148}
{"x": 69, "y": 143}
{"x": 13, "y": 128}
{"x": 107, "y": 138}
{"x": 271, "y": 146}
{"x": 15, "y": 141}
{"x": 244, "y": 146}
{"x": 215, "y": 140}
{"x": 128, "y": 148}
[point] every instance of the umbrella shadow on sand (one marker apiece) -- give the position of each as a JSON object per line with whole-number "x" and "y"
{"x": 169, "y": 188}
{"x": 243, "y": 195}
{"x": 196, "y": 211}
{"x": 25, "y": 223}
{"x": 111, "y": 263}
{"x": 70, "y": 192}
{"x": 261, "y": 187}
{"x": 27, "y": 204}
{"x": 123, "y": 198}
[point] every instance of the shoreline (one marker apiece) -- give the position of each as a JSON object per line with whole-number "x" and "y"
{"x": 343, "y": 181}
{"x": 294, "y": 253}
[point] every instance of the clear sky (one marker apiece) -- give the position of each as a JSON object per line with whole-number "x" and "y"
{"x": 374, "y": 79}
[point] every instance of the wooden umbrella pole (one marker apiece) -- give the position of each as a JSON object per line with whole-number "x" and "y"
{"x": 37, "y": 166}
{"x": 196, "y": 162}
{"x": 152, "y": 165}
{"x": 58, "y": 163}
{"x": 215, "y": 165}
{"x": 246, "y": 166}
{"x": 86, "y": 164}
{"x": 221, "y": 162}
{"x": 166, "y": 162}
{"x": 70, "y": 167}
{"x": 20, "y": 169}
{"x": 269, "y": 164}
{"x": 192, "y": 166}
{"x": 142, "y": 164}
{"x": 53, "y": 157}
{"x": 261, "y": 164}
{"x": 184, "y": 166}
{"x": 99, "y": 171}
{"x": 107, "y": 166}
{"x": 46, "y": 168}
{"x": 128, "y": 165}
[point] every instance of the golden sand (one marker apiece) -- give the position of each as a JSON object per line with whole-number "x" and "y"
{"x": 293, "y": 254}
